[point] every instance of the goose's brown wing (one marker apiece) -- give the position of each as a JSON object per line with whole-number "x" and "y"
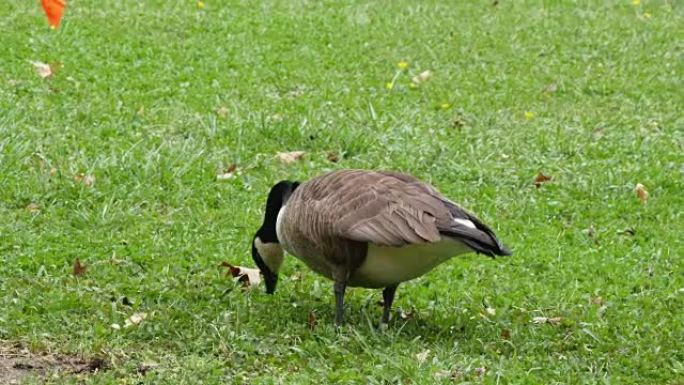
{"x": 390, "y": 212}
{"x": 392, "y": 209}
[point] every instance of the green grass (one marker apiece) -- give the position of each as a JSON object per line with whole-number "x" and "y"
{"x": 135, "y": 105}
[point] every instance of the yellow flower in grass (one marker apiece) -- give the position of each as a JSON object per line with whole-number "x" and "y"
{"x": 200, "y": 4}
{"x": 445, "y": 106}
{"x": 636, "y": 3}
{"x": 389, "y": 85}
{"x": 529, "y": 115}
{"x": 403, "y": 65}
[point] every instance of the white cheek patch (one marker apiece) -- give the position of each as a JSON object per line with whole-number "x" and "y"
{"x": 271, "y": 253}
{"x": 465, "y": 222}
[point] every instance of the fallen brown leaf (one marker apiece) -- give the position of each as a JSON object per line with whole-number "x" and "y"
{"x": 87, "y": 180}
{"x": 290, "y": 157}
{"x": 246, "y": 276}
{"x": 590, "y": 231}
{"x": 442, "y": 374}
{"x": 409, "y": 315}
{"x": 551, "y": 88}
{"x": 312, "y": 321}
{"x": 505, "y": 334}
{"x": 79, "y": 269}
{"x": 333, "y": 157}
{"x": 547, "y": 320}
{"x": 422, "y": 356}
{"x": 228, "y": 173}
{"x": 46, "y": 70}
{"x": 641, "y": 192}
{"x": 93, "y": 365}
{"x": 541, "y": 178}
{"x": 422, "y": 77}
{"x": 135, "y": 319}
{"x": 455, "y": 375}
{"x": 628, "y": 231}
{"x": 222, "y": 112}
{"x": 33, "y": 208}
{"x": 480, "y": 371}
{"x": 145, "y": 367}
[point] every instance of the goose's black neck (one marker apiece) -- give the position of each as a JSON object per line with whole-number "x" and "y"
{"x": 277, "y": 198}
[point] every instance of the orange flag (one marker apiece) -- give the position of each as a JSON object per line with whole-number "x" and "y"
{"x": 54, "y": 9}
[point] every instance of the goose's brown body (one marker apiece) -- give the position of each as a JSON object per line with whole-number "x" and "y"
{"x": 377, "y": 228}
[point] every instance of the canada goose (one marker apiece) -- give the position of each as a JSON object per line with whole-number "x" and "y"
{"x": 371, "y": 229}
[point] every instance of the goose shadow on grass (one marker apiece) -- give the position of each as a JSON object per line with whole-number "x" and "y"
{"x": 362, "y": 317}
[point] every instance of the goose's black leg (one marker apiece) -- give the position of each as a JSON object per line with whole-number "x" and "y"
{"x": 340, "y": 287}
{"x": 388, "y": 298}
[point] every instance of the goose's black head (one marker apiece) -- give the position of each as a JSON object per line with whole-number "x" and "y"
{"x": 266, "y": 249}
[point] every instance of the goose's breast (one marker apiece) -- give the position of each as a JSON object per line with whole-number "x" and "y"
{"x": 298, "y": 244}
{"x": 385, "y": 266}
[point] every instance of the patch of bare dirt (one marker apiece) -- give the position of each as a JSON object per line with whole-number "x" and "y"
{"x": 18, "y": 364}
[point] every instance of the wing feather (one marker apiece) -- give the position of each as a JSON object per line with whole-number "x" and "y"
{"x": 390, "y": 209}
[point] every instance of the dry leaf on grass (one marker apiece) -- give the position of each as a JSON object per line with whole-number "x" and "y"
{"x": 333, "y": 157}
{"x": 312, "y": 321}
{"x": 87, "y": 180}
{"x": 422, "y": 356}
{"x": 541, "y": 178}
{"x": 245, "y": 275}
{"x": 422, "y": 77}
{"x": 480, "y": 371}
{"x": 290, "y": 157}
{"x": 641, "y": 192}
{"x": 146, "y": 366}
{"x": 79, "y": 269}
{"x": 222, "y": 112}
{"x": 135, "y": 319}
{"x": 407, "y": 315}
{"x": 505, "y": 334}
{"x": 46, "y": 70}
{"x": 454, "y": 375}
{"x": 228, "y": 173}
{"x": 547, "y": 320}
{"x": 442, "y": 374}
{"x": 628, "y": 231}
{"x": 33, "y": 208}
{"x": 551, "y": 88}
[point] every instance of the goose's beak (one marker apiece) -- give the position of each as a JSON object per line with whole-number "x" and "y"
{"x": 270, "y": 278}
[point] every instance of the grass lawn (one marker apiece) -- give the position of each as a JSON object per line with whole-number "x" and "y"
{"x": 114, "y": 160}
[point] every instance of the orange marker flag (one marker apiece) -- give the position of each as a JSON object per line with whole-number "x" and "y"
{"x": 54, "y": 9}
